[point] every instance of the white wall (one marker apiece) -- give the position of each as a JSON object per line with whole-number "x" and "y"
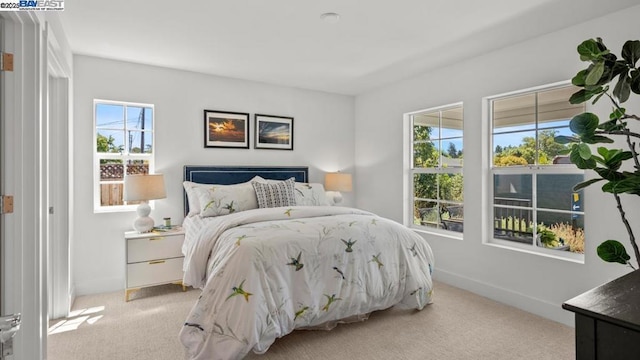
{"x": 323, "y": 140}
{"x": 534, "y": 283}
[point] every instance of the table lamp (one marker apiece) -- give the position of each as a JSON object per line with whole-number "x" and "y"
{"x": 144, "y": 188}
{"x": 337, "y": 182}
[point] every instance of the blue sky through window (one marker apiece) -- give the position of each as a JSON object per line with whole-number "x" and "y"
{"x": 110, "y": 122}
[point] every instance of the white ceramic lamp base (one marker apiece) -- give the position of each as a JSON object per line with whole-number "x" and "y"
{"x": 143, "y": 223}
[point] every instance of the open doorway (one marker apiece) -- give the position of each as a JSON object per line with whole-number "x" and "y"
{"x": 58, "y": 274}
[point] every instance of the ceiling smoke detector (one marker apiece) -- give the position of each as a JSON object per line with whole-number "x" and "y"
{"x": 330, "y": 17}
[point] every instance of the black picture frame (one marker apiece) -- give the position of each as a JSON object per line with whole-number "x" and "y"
{"x": 273, "y": 132}
{"x": 226, "y": 129}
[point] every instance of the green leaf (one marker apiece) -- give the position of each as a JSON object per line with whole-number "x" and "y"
{"x": 628, "y": 185}
{"x": 584, "y": 184}
{"x": 609, "y": 174}
{"x": 562, "y": 139}
{"x": 613, "y": 251}
{"x": 584, "y": 151}
{"x": 622, "y": 90}
{"x": 580, "y": 96}
{"x": 611, "y": 125}
{"x": 609, "y": 187}
{"x": 635, "y": 81}
{"x": 603, "y": 151}
{"x": 599, "y": 160}
{"x": 584, "y": 95}
{"x": 584, "y": 124}
{"x": 617, "y": 113}
{"x": 602, "y": 139}
{"x": 616, "y": 159}
{"x": 619, "y": 67}
{"x": 595, "y": 74}
{"x": 580, "y": 162}
{"x": 589, "y": 50}
{"x": 613, "y": 158}
{"x": 607, "y": 154}
{"x": 631, "y": 52}
{"x": 595, "y": 100}
{"x": 579, "y": 79}
{"x": 595, "y": 139}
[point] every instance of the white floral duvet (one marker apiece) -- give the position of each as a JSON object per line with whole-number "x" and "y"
{"x": 266, "y": 272}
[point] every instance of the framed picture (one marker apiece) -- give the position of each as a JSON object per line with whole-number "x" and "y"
{"x": 274, "y": 132}
{"x": 225, "y": 129}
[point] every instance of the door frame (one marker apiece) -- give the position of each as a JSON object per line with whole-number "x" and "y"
{"x": 26, "y": 173}
{"x": 22, "y": 230}
{"x": 60, "y": 184}
{"x": 59, "y": 272}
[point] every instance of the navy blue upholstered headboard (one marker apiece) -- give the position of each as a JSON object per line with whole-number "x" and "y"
{"x": 227, "y": 175}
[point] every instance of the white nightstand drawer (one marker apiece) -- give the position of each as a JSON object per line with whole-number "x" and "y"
{"x": 154, "y": 272}
{"x": 155, "y": 247}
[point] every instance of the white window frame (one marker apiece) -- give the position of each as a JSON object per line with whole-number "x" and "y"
{"x": 532, "y": 170}
{"x": 409, "y": 152}
{"x": 125, "y": 156}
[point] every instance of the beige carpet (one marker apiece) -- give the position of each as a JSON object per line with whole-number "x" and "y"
{"x": 458, "y": 325}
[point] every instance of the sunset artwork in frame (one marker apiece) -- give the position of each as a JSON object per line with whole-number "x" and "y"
{"x": 273, "y": 132}
{"x": 224, "y": 129}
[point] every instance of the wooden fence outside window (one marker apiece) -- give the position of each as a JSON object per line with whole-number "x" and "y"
{"x": 112, "y": 192}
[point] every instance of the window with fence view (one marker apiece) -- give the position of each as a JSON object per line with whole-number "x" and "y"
{"x": 123, "y": 146}
{"x": 436, "y": 167}
{"x": 532, "y": 198}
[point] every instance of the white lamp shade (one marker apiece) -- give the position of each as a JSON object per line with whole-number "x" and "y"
{"x": 144, "y": 187}
{"x": 338, "y": 182}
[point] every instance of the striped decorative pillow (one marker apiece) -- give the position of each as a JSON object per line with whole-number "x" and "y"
{"x": 275, "y": 193}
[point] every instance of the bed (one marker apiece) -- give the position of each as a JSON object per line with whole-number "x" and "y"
{"x": 272, "y": 255}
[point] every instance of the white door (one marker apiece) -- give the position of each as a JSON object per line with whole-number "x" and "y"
{"x": 9, "y": 324}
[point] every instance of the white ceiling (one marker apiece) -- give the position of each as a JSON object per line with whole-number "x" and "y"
{"x": 285, "y": 42}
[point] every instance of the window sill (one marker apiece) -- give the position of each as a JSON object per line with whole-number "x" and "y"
{"x": 530, "y": 249}
{"x": 442, "y": 233}
{"x": 115, "y": 209}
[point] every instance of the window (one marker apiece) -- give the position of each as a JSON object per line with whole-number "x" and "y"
{"x": 123, "y": 144}
{"x": 436, "y": 169}
{"x": 532, "y": 201}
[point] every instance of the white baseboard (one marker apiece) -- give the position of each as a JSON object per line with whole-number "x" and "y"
{"x": 98, "y": 286}
{"x": 524, "y": 302}
{"x": 72, "y": 296}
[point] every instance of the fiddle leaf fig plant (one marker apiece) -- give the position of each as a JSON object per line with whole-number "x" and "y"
{"x": 606, "y": 69}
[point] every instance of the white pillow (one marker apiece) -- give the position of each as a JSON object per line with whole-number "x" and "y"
{"x": 275, "y": 193}
{"x": 192, "y": 198}
{"x": 195, "y": 207}
{"x": 216, "y": 200}
{"x": 311, "y": 194}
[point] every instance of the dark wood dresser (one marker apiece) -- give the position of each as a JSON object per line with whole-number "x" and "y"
{"x": 608, "y": 320}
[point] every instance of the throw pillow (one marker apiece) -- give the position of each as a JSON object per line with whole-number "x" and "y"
{"x": 275, "y": 193}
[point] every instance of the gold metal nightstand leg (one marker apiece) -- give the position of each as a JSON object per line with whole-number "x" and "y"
{"x": 127, "y": 292}
{"x": 184, "y": 288}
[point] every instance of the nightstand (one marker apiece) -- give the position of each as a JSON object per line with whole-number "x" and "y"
{"x": 153, "y": 258}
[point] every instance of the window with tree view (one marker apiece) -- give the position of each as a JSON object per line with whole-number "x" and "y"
{"x": 123, "y": 145}
{"x": 532, "y": 203}
{"x": 436, "y": 168}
